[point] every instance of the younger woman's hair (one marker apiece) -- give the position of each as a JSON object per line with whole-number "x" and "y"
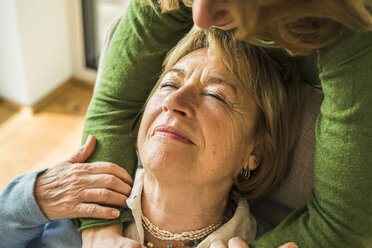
{"x": 271, "y": 78}
{"x": 299, "y": 26}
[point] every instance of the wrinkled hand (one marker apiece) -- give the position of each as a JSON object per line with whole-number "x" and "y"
{"x": 108, "y": 236}
{"x": 237, "y": 242}
{"x": 73, "y": 189}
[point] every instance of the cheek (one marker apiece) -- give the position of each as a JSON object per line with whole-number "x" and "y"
{"x": 224, "y": 129}
{"x": 220, "y": 132}
{"x": 228, "y": 137}
{"x": 152, "y": 111}
{"x": 144, "y": 132}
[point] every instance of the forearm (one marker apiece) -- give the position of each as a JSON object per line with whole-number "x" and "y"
{"x": 338, "y": 213}
{"x": 21, "y": 218}
{"x": 134, "y": 58}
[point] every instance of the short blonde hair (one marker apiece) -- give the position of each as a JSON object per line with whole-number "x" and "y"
{"x": 270, "y": 78}
{"x": 299, "y": 26}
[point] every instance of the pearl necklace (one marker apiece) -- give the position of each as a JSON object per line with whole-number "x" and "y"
{"x": 189, "y": 235}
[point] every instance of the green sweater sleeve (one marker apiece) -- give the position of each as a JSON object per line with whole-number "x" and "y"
{"x": 339, "y": 210}
{"x": 135, "y": 55}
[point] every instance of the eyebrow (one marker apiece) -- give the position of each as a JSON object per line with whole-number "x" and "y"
{"x": 180, "y": 72}
{"x": 214, "y": 80}
{"x": 211, "y": 80}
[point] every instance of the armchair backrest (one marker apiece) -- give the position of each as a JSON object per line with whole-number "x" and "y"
{"x": 293, "y": 192}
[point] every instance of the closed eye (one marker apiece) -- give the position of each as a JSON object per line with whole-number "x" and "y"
{"x": 168, "y": 84}
{"x": 216, "y": 96}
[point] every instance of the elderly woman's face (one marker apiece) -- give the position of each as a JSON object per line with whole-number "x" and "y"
{"x": 199, "y": 124}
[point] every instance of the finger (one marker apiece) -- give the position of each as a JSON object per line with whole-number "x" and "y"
{"x": 104, "y": 196}
{"x": 107, "y": 182}
{"x": 89, "y": 210}
{"x": 289, "y": 245}
{"x": 218, "y": 244}
{"x": 110, "y": 168}
{"x": 85, "y": 151}
{"x": 237, "y": 242}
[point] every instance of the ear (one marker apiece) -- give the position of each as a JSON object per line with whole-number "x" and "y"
{"x": 253, "y": 159}
{"x": 253, "y": 162}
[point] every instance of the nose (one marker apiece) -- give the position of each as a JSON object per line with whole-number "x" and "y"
{"x": 207, "y": 13}
{"x": 180, "y": 103}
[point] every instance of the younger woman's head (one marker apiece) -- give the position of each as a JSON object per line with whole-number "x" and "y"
{"x": 299, "y": 26}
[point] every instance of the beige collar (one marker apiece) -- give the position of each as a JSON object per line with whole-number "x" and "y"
{"x": 242, "y": 223}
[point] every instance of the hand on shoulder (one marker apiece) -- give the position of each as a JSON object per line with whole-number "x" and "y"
{"x": 74, "y": 189}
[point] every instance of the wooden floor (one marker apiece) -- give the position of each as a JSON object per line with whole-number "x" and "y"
{"x": 31, "y": 141}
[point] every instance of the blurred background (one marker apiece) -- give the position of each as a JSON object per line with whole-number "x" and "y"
{"x": 49, "y": 51}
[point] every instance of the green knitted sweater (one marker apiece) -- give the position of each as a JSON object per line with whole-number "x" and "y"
{"x": 339, "y": 210}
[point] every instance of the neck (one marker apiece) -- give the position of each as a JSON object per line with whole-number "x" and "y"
{"x": 178, "y": 207}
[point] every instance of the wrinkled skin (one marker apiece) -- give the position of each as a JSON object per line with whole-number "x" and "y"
{"x": 73, "y": 189}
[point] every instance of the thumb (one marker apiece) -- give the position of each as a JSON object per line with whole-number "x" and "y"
{"x": 85, "y": 151}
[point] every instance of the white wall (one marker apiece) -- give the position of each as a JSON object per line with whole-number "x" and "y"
{"x": 46, "y": 44}
{"x": 37, "y": 42}
{"x": 12, "y": 74}
{"x": 42, "y": 45}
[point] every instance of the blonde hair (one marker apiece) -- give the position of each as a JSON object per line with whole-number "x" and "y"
{"x": 271, "y": 80}
{"x": 300, "y": 27}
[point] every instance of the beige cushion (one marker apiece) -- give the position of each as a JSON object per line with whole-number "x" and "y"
{"x": 293, "y": 192}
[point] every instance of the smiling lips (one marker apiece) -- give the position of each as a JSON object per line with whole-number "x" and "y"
{"x": 172, "y": 133}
